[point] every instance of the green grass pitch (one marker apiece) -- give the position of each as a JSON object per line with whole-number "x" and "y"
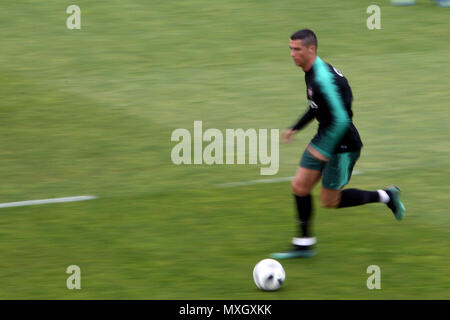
{"x": 91, "y": 112}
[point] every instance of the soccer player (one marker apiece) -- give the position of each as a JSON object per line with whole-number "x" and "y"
{"x": 333, "y": 151}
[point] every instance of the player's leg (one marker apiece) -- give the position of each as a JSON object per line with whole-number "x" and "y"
{"x": 356, "y": 197}
{"x": 349, "y": 197}
{"x": 330, "y": 198}
{"x": 337, "y": 174}
{"x": 307, "y": 176}
{"x": 302, "y": 186}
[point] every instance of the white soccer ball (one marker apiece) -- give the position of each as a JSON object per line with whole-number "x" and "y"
{"x": 269, "y": 275}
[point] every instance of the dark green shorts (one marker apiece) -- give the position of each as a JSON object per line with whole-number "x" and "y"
{"x": 337, "y": 172}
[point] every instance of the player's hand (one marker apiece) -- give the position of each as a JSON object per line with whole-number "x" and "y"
{"x": 288, "y": 135}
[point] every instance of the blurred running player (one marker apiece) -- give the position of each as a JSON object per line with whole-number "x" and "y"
{"x": 333, "y": 151}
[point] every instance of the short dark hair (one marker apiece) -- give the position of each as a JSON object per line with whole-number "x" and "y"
{"x": 307, "y": 36}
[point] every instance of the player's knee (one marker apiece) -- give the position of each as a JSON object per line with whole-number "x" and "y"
{"x": 329, "y": 201}
{"x": 300, "y": 189}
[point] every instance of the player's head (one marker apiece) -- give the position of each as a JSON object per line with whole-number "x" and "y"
{"x": 303, "y": 45}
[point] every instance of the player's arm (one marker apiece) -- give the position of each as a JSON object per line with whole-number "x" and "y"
{"x": 340, "y": 121}
{"x": 304, "y": 120}
{"x": 301, "y": 123}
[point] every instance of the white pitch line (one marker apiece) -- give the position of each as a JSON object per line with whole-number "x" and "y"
{"x": 273, "y": 180}
{"x": 45, "y": 201}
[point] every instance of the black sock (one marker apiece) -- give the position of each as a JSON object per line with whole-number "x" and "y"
{"x": 304, "y": 210}
{"x": 356, "y": 197}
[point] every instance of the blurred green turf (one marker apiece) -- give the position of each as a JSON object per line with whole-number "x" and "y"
{"x": 91, "y": 111}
